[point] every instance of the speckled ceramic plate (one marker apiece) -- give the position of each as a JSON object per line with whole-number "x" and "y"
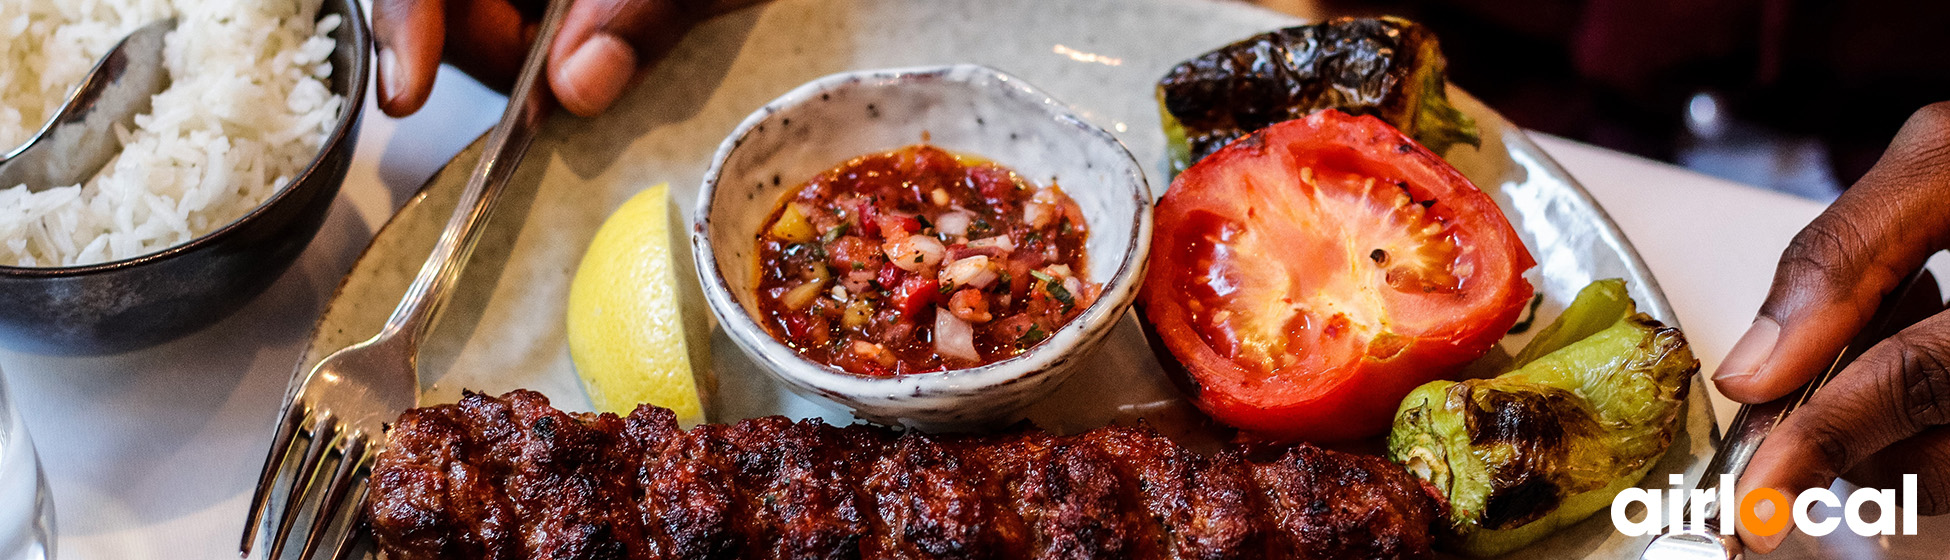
{"x": 505, "y": 328}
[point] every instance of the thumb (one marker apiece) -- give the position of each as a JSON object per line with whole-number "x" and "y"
{"x": 1894, "y": 392}
{"x": 409, "y": 35}
{"x": 605, "y": 43}
{"x": 1836, "y": 271}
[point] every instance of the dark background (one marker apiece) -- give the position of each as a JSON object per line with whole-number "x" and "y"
{"x": 1797, "y": 96}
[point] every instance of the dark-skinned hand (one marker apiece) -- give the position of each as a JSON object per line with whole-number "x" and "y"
{"x": 1888, "y": 413}
{"x": 603, "y": 47}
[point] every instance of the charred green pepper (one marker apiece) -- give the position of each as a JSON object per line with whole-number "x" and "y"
{"x": 1597, "y": 306}
{"x": 1552, "y": 442}
{"x": 1388, "y": 67}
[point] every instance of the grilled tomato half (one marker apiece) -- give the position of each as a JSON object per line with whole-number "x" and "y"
{"x": 1308, "y": 276}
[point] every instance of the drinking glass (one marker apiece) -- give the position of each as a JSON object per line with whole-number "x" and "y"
{"x": 26, "y": 510}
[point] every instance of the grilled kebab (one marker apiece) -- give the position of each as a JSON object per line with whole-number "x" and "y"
{"x": 513, "y": 478}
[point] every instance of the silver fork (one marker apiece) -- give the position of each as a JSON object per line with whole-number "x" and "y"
{"x": 345, "y": 401}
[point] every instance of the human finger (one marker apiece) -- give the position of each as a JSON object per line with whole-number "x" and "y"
{"x": 605, "y": 43}
{"x": 1835, "y": 272}
{"x": 409, "y": 35}
{"x": 488, "y": 39}
{"x": 1927, "y": 455}
{"x": 1896, "y": 390}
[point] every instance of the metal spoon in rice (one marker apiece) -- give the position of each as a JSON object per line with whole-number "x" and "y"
{"x": 80, "y": 138}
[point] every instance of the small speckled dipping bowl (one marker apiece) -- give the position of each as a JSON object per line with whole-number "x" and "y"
{"x": 964, "y": 109}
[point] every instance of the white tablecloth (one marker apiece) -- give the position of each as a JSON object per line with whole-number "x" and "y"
{"x": 152, "y": 454}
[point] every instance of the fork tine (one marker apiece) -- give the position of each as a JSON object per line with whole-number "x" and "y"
{"x": 351, "y": 458}
{"x": 294, "y": 416}
{"x": 322, "y": 439}
{"x": 352, "y": 535}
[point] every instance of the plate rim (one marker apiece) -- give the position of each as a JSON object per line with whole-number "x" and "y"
{"x": 1659, "y": 307}
{"x": 1514, "y": 137}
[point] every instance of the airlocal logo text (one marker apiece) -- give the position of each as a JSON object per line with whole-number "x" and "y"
{"x": 1765, "y": 511}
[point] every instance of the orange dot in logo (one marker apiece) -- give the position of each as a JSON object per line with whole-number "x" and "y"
{"x": 1771, "y": 525}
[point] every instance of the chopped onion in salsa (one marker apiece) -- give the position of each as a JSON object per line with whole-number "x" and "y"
{"x": 920, "y": 260}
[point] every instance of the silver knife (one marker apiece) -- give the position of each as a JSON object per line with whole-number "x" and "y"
{"x": 1700, "y": 539}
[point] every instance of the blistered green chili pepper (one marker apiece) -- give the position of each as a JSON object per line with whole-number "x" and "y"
{"x": 1388, "y": 67}
{"x": 1552, "y": 442}
{"x": 1597, "y": 306}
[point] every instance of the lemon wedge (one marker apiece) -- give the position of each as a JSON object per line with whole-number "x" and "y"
{"x": 637, "y": 328}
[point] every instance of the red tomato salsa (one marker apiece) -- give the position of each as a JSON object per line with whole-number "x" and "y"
{"x": 920, "y": 260}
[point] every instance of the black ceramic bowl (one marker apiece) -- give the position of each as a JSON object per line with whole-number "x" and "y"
{"x": 132, "y": 303}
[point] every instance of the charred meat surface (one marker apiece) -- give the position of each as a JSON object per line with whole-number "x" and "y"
{"x": 513, "y": 478}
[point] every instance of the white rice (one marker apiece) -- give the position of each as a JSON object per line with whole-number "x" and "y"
{"x": 246, "y": 109}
